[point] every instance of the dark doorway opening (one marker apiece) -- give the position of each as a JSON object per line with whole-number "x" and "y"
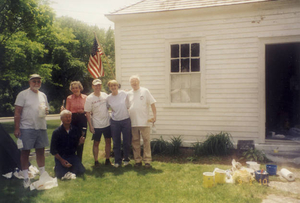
{"x": 282, "y": 89}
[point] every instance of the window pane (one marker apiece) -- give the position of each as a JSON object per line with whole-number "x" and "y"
{"x": 195, "y": 95}
{"x": 175, "y": 65}
{"x": 195, "y": 81}
{"x": 175, "y": 82}
{"x": 185, "y": 96}
{"x": 185, "y": 66}
{"x": 195, "y": 65}
{"x": 195, "y": 49}
{"x": 185, "y": 81}
{"x": 185, "y": 50}
{"x": 175, "y": 51}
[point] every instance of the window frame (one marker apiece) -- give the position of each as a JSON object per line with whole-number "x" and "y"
{"x": 168, "y": 73}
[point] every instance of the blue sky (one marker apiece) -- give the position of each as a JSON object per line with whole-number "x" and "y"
{"x": 90, "y": 11}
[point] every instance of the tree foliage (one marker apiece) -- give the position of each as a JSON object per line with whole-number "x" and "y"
{"x": 32, "y": 40}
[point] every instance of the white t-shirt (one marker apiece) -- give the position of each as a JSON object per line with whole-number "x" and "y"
{"x": 140, "y": 101}
{"x": 31, "y": 102}
{"x": 119, "y": 105}
{"x": 97, "y": 107}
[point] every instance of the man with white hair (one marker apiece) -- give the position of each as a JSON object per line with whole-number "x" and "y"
{"x": 65, "y": 140}
{"x": 140, "y": 100}
{"x": 31, "y": 107}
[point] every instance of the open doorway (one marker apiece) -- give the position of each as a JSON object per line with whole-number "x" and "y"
{"x": 282, "y": 90}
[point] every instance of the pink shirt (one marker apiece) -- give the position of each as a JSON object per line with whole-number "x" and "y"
{"x": 76, "y": 104}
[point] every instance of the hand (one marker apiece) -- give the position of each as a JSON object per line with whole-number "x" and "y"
{"x": 66, "y": 164}
{"x": 47, "y": 111}
{"x": 152, "y": 120}
{"x": 62, "y": 108}
{"x": 17, "y": 133}
{"x": 81, "y": 140}
{"x": 92, "y": 130}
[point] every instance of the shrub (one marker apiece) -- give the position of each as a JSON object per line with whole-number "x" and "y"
{"x": 254, "y": 155}
{"x": 219, "y": 144}
{"x": 161, "y": 146}
{"x": 176, "y": 143}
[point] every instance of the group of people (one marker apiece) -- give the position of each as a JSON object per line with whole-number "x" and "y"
{"x": 129, "y": 119}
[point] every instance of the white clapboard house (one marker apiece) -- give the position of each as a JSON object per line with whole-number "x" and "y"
{"x": 214, "y": 65}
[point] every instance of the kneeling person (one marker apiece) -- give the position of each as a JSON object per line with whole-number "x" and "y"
{"x": 64, "y": 143}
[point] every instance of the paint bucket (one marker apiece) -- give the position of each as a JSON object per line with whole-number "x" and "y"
{"x": 220, "y": 176}
{"x": 271, "y": 169}
{"x": 208, "y": 179}
{"x": 262, "y": 177}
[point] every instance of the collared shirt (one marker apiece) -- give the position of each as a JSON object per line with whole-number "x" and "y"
{"x": 75, "y": 104}
{"x": 65, "y": 143}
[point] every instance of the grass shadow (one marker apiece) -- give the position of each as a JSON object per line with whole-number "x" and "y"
{"x": 13, "y": 190}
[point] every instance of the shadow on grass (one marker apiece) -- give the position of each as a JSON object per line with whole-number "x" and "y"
{"x": 12, "y": 190}
{"x": 101, "y": 170}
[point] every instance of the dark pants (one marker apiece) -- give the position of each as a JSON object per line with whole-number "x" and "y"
{"x": 79, "y": 120}
{"x": 118, "y": 127}
{"x": 76, "y": 168}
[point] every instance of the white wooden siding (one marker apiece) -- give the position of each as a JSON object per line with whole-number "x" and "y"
{"x": 231, "y": 63}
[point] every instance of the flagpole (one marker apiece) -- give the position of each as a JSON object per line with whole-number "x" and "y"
{"x": 104, "y": 55}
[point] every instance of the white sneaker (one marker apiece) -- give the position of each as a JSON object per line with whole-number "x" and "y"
{"x": 116, "y": 165}
{"x": 126, "y": 163}
{"x": 26, "y": 183}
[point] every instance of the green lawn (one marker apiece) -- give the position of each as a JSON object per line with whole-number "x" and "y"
{"x": 165, "y": 182}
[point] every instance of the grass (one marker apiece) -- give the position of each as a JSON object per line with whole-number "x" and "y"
{"x": 165, "y": 182}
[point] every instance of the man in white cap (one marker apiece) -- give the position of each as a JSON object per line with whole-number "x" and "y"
{"x": 31, "y": 107}
{"x": 140, "y": 100}
{"x": 98, "y": 118}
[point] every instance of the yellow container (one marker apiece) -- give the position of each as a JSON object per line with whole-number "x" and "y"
{"x": 220, "y": 176}
{"x": 208, "y": 179}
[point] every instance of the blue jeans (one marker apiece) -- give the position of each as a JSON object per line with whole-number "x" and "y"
{"x": 76, "y": 167}
{"x": 118, "y": 127}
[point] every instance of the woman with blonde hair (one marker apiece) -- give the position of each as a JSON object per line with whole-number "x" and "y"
{"x": 75, "y": 104}
{"x": 120, "y": 122}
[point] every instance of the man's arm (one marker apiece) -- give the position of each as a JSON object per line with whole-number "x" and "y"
{"x": 17, "y": 119}
{"x": 88, "y": 117}
{"x": 154, "y": 112}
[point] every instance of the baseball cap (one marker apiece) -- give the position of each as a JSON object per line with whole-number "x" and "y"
{"x": 97, "y": 82}
{"x": 34, "y": 76}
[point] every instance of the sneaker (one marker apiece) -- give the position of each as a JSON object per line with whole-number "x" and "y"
{"x": 96, "y": 163}
{"x": 26, "y": 183}
{"x": 147, "y": 165}
{"x": 137, "y": 164}
{"x": 116, "y": 165}
{"x": 107, "y": 162}
{"x": 126, "y": 163}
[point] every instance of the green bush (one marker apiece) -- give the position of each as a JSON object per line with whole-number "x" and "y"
{"x": 219, "y": 145}
{"x": 254, "y": 155}
{"x": 161, "y": 146}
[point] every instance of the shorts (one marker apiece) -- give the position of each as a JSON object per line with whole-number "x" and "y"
{"x": 32, "y": 138}
{"x": 99, "y": 131}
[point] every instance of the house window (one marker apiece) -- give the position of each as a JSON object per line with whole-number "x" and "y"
{"x": 185, "y": 73}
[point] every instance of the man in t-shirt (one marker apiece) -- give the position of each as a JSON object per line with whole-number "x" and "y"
{"x": 98, "y": 119}
{"x": 31, "y": 107}
{"x": 140, "y": 99}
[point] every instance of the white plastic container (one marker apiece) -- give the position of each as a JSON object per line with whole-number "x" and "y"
{"x": 19, "y": 143}
{"x": 253, "y": 165}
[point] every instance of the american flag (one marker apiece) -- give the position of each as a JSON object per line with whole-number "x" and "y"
{"x": 95, "y": 66}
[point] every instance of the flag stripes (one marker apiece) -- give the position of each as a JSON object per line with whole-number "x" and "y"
{"x": 95, "y": 66}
